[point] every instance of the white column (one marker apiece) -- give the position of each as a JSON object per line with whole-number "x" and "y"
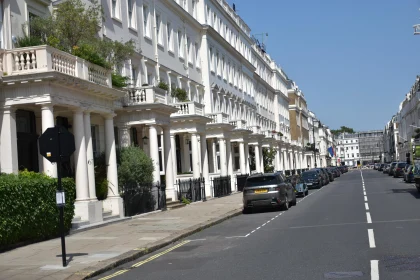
{"x": 286, "y": 161}
{"x": 48, "y": 121}
{"x": 186, "y": 165}
{"x": 205, "y": 163}
{"x": 125, "y": 137}
{"x": 214, "y": 155}
{"x": 261, "y": 159}
{"x": 154, "y": 152}
{"x": 246, "y": 148}
{"x": 169, "y": 166}
{"x": 230, "y": 164}
{"x": 174, "y": 159}
{"x": 223, "y": 159}
{"x": 114, "y": 201}
{"x": 257, "y": 158}
{"x": 242, "y": 159}
{"x": 278, "y": 164}
{"x": 195, "y": 156}
{"x": 281, "y": 159}
{"x": 8, "y": 138}
{"x": 291, "y": 159}
{"x": 80, "y": 160}
{"x": 89, "y": 156}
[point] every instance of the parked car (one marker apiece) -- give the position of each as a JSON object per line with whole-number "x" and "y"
{"x": 381, "y": 167}
{"x": 409, "y": 174}
{"x": 386, "y": 168}
{"x": 326, "y": 176}
{"x": 268, "y": 190}
{"x": 312, "y": 178}
{"x": 301, "y": 189}
{"x": 330, "y": 174}
{"x": 391, "y": 168}
{"x": 376, "y": 166}
{"x": 399, "y": 169}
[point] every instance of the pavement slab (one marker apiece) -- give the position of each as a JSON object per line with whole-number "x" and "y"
{"x": 99, "y": 249}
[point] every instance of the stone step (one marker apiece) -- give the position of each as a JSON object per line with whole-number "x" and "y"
{"x": 111, "y": 217}
{"x": 106, "y": 213}
{"x": 78, "y": 224}
{"x": 174, "y": 205}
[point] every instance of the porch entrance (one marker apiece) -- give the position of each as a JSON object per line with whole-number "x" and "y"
{"x": 27, "y": 141}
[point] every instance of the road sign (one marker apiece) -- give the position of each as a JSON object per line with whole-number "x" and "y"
{"x": 56, "y": 144}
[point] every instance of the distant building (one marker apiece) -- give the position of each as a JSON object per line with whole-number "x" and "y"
{"x": 348, "y": 148}
{"x": 370, "y": 146}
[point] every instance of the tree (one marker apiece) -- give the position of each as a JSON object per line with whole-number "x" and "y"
{"x": 269, "y": 155}
{"x": 73, "y": 27}
{"x": 343, "y": 129}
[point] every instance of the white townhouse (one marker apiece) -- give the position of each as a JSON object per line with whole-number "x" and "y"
{"x": 237, "y": 98}
{"x": 406, "y": 121}
{"x": 348, "y": 148}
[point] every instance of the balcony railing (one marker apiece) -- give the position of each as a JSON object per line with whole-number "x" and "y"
{"x": 144, "y": 95}
{"x": 189, "y": 108}
{"x": 239, "y": 124}
{"x": 255, "y": 129}
{"x": 38, "y": 59}
{"x": 219, "y": 118}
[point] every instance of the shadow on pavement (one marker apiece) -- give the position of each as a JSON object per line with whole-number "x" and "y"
{"x": 71, "y": 256}
{"x": 413, "y": 192}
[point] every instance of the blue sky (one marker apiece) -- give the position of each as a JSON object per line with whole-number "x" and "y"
{"x": 354, "y": 60}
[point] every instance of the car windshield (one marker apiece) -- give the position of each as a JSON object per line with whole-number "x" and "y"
{"x": 401, "y": 165}
{"x": 261, "y": 181}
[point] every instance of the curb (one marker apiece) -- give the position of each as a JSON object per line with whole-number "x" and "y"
{"x": 106, "y": 265}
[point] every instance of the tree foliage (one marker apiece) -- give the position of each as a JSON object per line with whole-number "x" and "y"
{"x": 269, "y": 155}
{"x": 134, "y": 167}
{"x": 343, "y": 129}
{"x": 73, "y": 27}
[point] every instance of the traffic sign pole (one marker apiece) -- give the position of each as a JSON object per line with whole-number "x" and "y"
{"x": 61, "y": 207}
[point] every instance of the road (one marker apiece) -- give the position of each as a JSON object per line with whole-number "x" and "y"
{"x": 364, "y": 225}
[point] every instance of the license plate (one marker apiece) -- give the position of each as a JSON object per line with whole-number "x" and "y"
{"x": 309, "y": 184}
{"x": 261, "y": 191}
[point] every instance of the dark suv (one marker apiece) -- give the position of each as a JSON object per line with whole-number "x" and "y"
{"x": 268, "y": 190}
{"x": 399, "y": 169}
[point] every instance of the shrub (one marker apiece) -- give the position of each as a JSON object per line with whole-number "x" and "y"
{"x": 27, "y": 41}
{"x": 163, "y": 85}
{"x": 119, "y": 81}
{"x": 135, "y": 167}
{"x": 101, "y": 182}
{"x": 28, "y": 210}
{"x": 180, "y": 94}
{"x": 89, "y": 52}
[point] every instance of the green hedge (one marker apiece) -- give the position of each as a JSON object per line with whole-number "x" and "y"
{"x": 28, "y": 210}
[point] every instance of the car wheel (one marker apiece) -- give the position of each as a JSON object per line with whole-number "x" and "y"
{"x": 286, "y": 204}
{"x": 303, "y": 194}
{"x": 246, "y": 210}
{"x": 294, "y": 202}
{"x": 307, "y": 192}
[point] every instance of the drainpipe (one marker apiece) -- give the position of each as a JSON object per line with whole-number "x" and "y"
{"x": 155, "y": 43}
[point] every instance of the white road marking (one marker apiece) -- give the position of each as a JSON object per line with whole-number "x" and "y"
{"x": 366, "y": 198}
{"x": 202, "y": 239}
{"x": 364, "y": 192}
{"x": 371, "y": 239}
{"x": 374, "y": 270}
{"x": 369, "y": 218}
{"x": 237, "y": 236}
{"x": 367, "y": 206}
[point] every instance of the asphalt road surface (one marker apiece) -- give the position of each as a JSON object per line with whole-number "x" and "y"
{"x": 364, "y": 225}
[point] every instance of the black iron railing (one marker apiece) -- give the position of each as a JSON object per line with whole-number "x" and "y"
{"x": 143, "y": 198}
{"x": 240, "y": 181}
{"x": 191, "y": 189}
{"x": 221, "y": 186}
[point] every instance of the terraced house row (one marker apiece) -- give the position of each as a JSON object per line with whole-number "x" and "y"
{"x": 238, "y": 100}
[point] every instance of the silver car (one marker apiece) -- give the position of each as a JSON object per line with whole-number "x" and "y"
{"x": 268, "y": 190}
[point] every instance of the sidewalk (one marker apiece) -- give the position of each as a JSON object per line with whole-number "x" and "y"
{"x": 99, "y": 249}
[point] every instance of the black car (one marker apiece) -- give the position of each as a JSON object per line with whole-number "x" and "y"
{"x": 312, "y": 178}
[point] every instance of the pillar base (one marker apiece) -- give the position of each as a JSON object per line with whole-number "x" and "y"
{"x": 89, "y": 211}
{"x": 171, "y": 194}
{"x": 115, "y": 204}
{"x": 207, "y": 186}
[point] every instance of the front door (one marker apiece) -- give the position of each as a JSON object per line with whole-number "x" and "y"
{"x": 27, "y": 141}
